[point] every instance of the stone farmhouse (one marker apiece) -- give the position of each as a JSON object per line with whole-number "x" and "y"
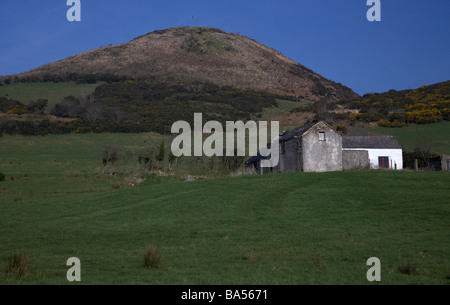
{"x": 317, "y": 147}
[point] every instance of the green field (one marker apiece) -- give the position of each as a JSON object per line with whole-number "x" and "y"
{"x": 53, "y": 92}
{"x": 298, "y": 228}
{"x": 411, "y": 135}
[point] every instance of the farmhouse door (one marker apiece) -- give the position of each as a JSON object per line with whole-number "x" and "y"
{"x": 383, "y": 162}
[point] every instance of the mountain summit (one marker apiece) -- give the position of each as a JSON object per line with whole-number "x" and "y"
{"x": 193, "y": 55}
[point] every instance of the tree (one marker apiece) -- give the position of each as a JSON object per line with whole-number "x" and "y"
{"x": 38, "y": 106}
{"x": 424, "y": 149}
{"x": 160, "y": 156}
{"x": 146, "y": 158}
{"x": 232, "y": 162}
{"x": 172, "y": 158}
{"x": 110, "y": 155}
{"x": 94, "y": 112}
{"x": 69, "y": 107}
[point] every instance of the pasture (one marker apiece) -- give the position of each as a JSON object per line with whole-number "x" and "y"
{"x": 300, "y": 228}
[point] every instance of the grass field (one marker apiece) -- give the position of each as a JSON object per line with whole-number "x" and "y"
{"x": 53, "y": 92}
{"x": 275, "y": 229}
{"x": 438, "y": 133}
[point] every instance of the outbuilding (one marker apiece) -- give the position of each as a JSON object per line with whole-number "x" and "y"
{"x": 384, "y": 152}
{"x": 441, "y": 163}
{"x": 316, "y": 147}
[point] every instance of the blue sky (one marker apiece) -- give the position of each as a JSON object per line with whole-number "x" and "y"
{"x": 409, "y": 48}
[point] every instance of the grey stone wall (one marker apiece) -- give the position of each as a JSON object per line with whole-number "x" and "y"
{"x": 321, "y": 156}
{"x": 445, "y": 163}
{"x": 355, "y": 159}
{"x": 290, "y": 156}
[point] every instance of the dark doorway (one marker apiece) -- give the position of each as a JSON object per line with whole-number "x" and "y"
{"x": 383, "y": 162}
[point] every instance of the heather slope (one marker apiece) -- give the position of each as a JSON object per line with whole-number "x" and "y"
{"x": 190, "y": 56}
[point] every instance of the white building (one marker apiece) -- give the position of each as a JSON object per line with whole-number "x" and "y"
{"x": 384, "y": 151}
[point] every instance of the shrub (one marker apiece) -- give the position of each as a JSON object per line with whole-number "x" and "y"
{"x": 2, "y": 177}
{"x": 232, "y": 162}
{"x": 316, "y": 260}
{"x": 363, "y": 117}
{"x": 110, "y": 155}
{"x": 409, "y": 158}
{"x": 426, "y": 116}
{"x": 160, "y": 156}
{"x": 397, "y": 124}
{"x": 152, "y": 257}
{"x": 249, "y": 256}
{"x": 393, "y": 124}
{"x": 407, "y": 268}
{"x": 18, "y": 265}
{"x": 397, "y": 116}
{"x": 341, "y": 128}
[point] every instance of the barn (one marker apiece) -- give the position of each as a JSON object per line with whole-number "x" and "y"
{"x": 316, "y": 147}
{"x": 383, "y": 152}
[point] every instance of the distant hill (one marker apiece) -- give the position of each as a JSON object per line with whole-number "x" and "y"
{"x": 424, "y": 105}
{"x": 193, "y": 55}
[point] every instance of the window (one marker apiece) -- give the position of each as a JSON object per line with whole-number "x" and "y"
{"x": 383, "y": 162}
{"x": 321, "y": 136}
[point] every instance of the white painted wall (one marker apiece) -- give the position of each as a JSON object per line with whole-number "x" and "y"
{"x": 395, "y": 156}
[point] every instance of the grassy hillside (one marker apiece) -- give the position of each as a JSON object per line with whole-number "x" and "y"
{"x": 135, "y": 106}
{"x": 273, "y": 229}
{"x": 411, "y": 135}
{"x": 53, "y": 92}
{"x": 285, "y": 115}
{"x": 424, "y": 105}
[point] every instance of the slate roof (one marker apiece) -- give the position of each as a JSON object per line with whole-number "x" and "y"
{"x": 295, "y": 132}
{"x": 285, "y": 136}
{"x": 386, "y": 142}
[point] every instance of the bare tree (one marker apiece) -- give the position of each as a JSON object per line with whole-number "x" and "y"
{"x": 424, "y": 149}
{"x": 94, "y": 112}
{"x": 82, "y": 97}
{"x": 110, "y": 155}
{"x": 146, "y": 158}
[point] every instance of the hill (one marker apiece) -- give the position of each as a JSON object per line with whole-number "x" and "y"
{"x": 414, "y": 135}
{"x": 424, "y": 105}
{"x": 189, "y": 56}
